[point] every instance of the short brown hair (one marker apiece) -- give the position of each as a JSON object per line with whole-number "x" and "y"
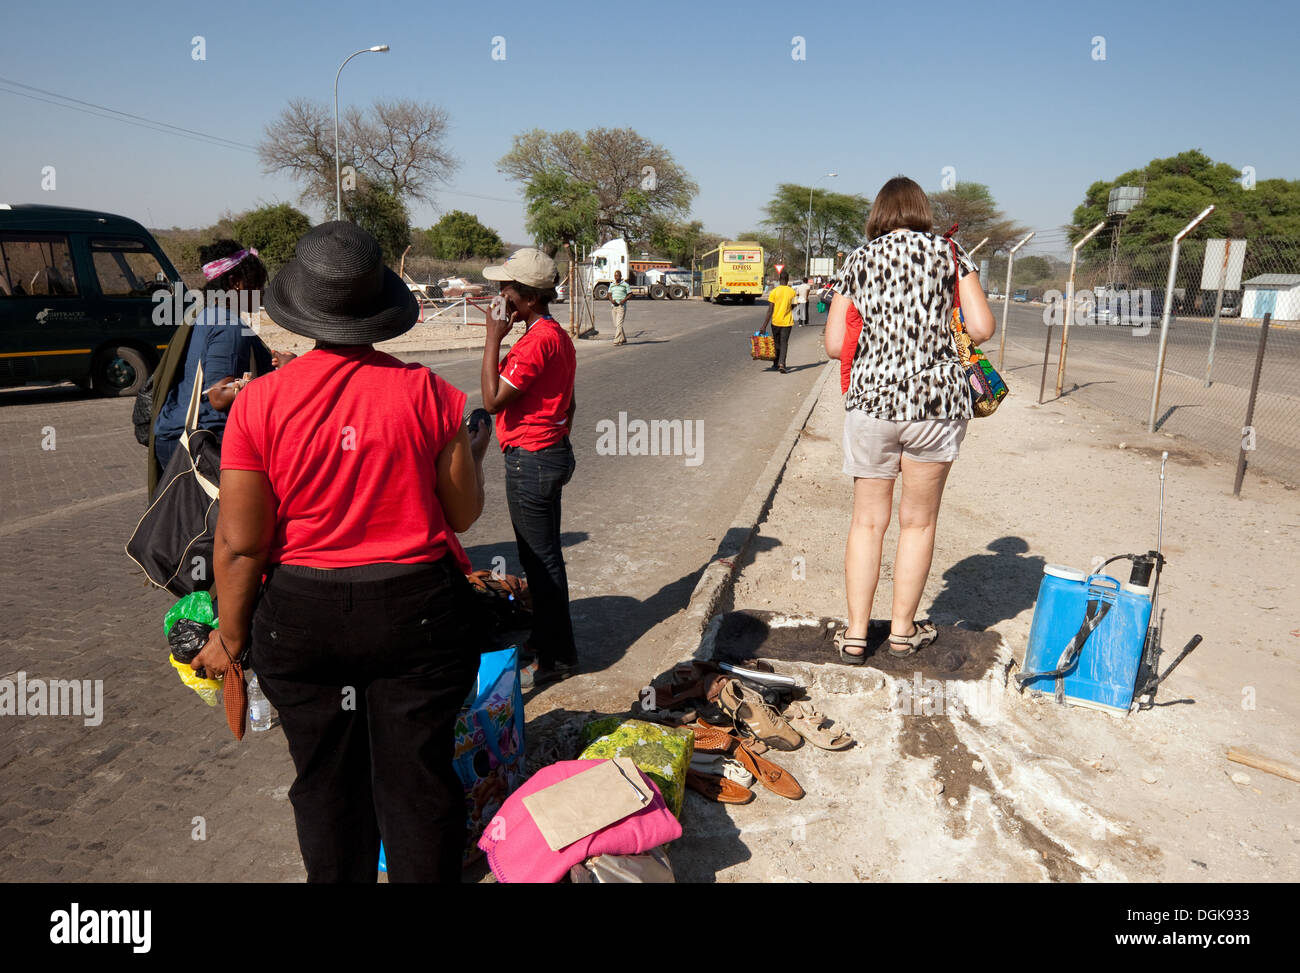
{"x": 900, "y": 204}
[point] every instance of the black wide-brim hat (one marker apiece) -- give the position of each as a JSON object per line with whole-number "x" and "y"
{"x": 336, "y": 289}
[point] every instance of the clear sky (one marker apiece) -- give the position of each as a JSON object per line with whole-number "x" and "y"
{"x": 1008, "y": 94}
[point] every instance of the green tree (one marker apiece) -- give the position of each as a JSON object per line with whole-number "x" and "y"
{"x": 274, "y": 231}
{"x": 972, "y": 207}
{"x": 631, "y": 179}
{"x": 679, "y": 242}
{"x": 1181, "y": 186}
{"x": 459, "y": 236}
{"x": 377, "y": 211}
{"x": 838, "y": 220}
{"x": 560, "y": 209}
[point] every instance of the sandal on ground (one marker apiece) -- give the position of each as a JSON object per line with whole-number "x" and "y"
{"x": 842, "y": 641}
{"x": 720, "y": 789}
{"x": 776, "y": 779}
{"x": 750, "y": 711}
{"x": 901, "y": 646}
{"x": 816, "y": 728}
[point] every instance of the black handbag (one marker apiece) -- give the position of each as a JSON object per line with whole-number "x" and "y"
{"x": 172, "y": 543}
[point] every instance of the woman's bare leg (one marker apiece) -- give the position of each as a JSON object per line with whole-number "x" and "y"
{"x": 873, "y": 502}
{"x": 918, "y": 513}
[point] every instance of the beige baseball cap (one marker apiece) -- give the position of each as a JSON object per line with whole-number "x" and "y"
{"x": 528, "y": 266}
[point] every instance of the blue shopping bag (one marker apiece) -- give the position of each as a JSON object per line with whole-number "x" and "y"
{"x": 489, "y": 754}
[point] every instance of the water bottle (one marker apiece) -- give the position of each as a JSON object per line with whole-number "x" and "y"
{"x": 259, "y": 707}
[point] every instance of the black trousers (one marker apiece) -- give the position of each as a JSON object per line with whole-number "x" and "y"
{"x": 534, "y": 485}
{"x": 368, "y": 677}
{"x": 781, "y": 340}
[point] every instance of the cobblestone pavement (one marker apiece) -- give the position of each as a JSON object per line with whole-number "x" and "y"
{"x": 125, "y": 800}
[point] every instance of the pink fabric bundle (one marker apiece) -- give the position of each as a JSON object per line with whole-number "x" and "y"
{"x": 517, "y": 852}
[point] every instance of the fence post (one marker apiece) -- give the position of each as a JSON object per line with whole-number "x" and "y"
{"x": 1250, "y": 405}
{"x": 1069, "y": 309}
{"x": 1047, "y": 351}
{"x": 1218, "y": 310}
{"x": 1006, "y": 298}
{"x": 1164, "y": 318}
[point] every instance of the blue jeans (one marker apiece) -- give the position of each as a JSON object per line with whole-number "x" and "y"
{"x": 534, "y": 483}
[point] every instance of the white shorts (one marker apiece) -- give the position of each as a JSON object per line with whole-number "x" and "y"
{"x": 874, "y": 448}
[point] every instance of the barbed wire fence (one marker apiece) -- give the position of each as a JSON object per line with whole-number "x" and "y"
{"x": 1215, "y": 350}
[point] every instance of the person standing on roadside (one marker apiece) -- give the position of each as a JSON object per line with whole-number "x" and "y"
{"x": 618, "y": 292}
{"x": 530, "y": 391}
{"x": 779, "y": 302}
{"x": 345, "y": 476}
{"x": 801, "y": 292}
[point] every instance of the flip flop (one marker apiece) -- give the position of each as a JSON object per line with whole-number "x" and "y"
{"x": 816, "y": 728}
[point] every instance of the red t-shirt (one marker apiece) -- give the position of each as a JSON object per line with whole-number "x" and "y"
{"x": 542, "y": 365}
{"x": 349, "y": 439}
{"x": 852, "y": 329}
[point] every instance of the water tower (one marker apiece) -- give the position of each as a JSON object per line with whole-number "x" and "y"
{"x": 1121, "y": 202}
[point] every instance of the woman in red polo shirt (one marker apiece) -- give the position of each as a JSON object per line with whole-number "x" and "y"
{"x": 531, "y": 393}
{"x": 344, "y": 475}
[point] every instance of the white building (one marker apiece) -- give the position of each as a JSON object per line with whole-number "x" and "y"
{"x": 1276, "y": 294}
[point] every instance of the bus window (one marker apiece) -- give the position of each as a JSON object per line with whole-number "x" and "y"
{"x": 125, "y": 268}
{"x": 36, "y": 267}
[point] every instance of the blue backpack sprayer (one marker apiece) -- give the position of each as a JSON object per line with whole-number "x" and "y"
{"x": 1097, "y": 640}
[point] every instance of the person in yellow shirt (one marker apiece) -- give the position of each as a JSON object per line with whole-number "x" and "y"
{"x": 780, "y": 315}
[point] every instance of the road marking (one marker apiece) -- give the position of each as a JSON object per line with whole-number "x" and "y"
{"x": 27, "y": 523}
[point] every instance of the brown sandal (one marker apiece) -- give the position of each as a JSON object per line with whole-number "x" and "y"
{"x": 748, "y": 709}
{"x": 911, "y": 644}
{"x": 775, "y": 779}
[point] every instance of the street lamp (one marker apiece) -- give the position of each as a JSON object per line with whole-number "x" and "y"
{"x": 807, "y": 263}
{"x": 338, "y": 181}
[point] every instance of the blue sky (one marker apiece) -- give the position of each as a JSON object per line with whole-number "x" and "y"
{"x": 1008, "y": 94}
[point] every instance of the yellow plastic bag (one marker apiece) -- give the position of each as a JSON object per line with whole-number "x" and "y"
{"x": 206, "y": 688}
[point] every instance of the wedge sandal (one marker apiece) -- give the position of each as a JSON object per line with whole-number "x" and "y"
{"x": 901, "y": 646}
{"x": 842, "y": 641}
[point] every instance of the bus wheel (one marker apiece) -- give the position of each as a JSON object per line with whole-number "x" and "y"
{"x": 677, "y": 292}
{"x": 119, "y": 371}
{"x": 601, "y": 292}
{"x": 747, "y": 298}
{"x": 708, "y": 298}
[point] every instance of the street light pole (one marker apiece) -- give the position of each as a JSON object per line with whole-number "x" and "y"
{"x": 338, "y": 180}
{"x": 807, "y": 260}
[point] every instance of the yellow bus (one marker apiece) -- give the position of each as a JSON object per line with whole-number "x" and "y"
{"x": 734, "y": 271}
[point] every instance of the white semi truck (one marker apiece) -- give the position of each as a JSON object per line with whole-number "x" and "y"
{"x": 671, "y": 283}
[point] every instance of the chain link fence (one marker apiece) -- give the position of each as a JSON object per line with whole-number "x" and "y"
{"x": 1112, "y": 351}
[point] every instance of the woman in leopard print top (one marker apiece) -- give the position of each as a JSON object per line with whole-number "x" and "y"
{"x": 907, "y": 404}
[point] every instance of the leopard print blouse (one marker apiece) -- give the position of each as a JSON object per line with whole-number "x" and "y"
{"x": 905, "y": 366}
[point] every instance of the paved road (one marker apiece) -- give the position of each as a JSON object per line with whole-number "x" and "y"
{"x": 125, "y": 799}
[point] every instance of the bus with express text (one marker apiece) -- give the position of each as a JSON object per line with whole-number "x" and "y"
{"x": 734, "y": 271}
